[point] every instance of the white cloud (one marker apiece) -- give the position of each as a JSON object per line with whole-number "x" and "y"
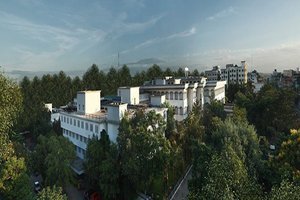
{"x": 224, "y": 13}
{"x": 152, "y": 41}
{"x": 64, "y": 40}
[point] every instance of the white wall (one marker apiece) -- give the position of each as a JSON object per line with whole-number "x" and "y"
{"x": 116, "y": 111}
{"x": 88, "y": 102}
{"x": 130, "y": 95}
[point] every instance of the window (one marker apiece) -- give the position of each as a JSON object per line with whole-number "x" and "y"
{"x": 80, "y": 138}
{"x": 91, "y": 127}
{"x": 74, "y": 122}
{"x": 73, "y": 135}
{"x": 171, "y": 95}
{"x": 64, "y": 119}
{"x": 86, "y": 126}
{"x": 77, "y": 136}
{"x": 78, "y": 123}
{"x": 85, "y": 139}
{"x": 96, "y": 128}
{"x": 71, "y": 121}
{"x": 82, "y": 125}
{"x": 67, "y": 120}
{"x": 78, "y": 106}
{"x": 180, "y": 95}
{"x": 79, "y": 150}
{"x": 176, "y": 95}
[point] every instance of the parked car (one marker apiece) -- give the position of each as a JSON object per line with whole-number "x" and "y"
{"x": 37, "y": 187}
{"x": 92, "y": 195}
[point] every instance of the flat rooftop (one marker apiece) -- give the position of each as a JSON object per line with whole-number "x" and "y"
{"x": 97, "y": 116}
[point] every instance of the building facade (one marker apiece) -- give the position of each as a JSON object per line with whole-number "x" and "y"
{"x": 183, "y": 93}
{"x": 231, "y": 74}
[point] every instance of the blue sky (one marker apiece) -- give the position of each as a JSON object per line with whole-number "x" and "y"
{"x": 73, "y": 34}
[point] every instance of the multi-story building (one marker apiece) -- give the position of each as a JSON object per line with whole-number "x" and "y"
{"x": 235, "y": 74}
{"x": 214, "y": 74}
{"x": 287, "y": 79}
{"x": 231, "y": 74}
{"x": 88, "y": 119}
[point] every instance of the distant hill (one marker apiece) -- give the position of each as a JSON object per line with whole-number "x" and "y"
{"x": 147, "y": 61}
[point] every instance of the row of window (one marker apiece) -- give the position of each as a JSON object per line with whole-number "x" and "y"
{"x": 233, "y": 75}
{"x": 80, "y": 150}
{"x": 80, "y": 124}
{"x": 75, "y": 136}
{"x": 230, "y": 71}
{"x": 180, "y": 110}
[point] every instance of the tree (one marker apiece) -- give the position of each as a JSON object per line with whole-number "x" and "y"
{"x": 144, "y": 150}
{"x": 51, "y": 193}
{"x": 52, "y": 158}
{"x": 113, "y": 83}
{"x": 288, "y": 158}
{"x": 92, "y": 79}
{"x": 125, "y": 76}
{"x": 58, "y": 161}
{"x": 102, "y": 167}
{"x": 194, "y": 133}
{"x": 154, "y": 72}
{"x": 287, "y": 190}
{"x": 12, "y": 167}
{"x": 227, "y": 178}
{"x": 10, "y": 101}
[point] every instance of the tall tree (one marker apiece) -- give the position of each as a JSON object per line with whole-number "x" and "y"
{"x": 58, "y": 161}
{"x": 143, "y": 148}
{"x": 12, "y": 167}
{"x": 102, "y": 167}
{"x": 10, "y": 101}
{"x": 91, "y": 79}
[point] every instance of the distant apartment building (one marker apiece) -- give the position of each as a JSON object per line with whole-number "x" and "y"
{"x": 286, "y": 79}
{"x": 214, "y": 74}
{"x": 231, "y": 74}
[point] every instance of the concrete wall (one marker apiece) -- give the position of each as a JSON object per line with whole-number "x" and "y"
{"x": 88, "y": 102}
{"x": 157, "y": 100}
{"x": 130, "y": 95}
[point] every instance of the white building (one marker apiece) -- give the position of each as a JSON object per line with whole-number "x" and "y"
{"x": 214, "y": 74}
{"x": 183, "y": 93}
{"x": 129, "y": 95}
{"x": 234, "y": 73}
{"x": 88, "y": 120}
{"x": 231, "y": 74}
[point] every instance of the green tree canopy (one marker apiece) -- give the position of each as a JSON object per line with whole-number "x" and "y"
{"x": 51, "y": 193}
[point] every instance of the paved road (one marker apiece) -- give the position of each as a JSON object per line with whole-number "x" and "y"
{"x": 182, "y": 190}
{"x": 73, "y": 193}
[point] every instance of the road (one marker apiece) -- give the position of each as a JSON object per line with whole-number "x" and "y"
{"x": 73, "y": 193}
{"x": 182, "y": 190}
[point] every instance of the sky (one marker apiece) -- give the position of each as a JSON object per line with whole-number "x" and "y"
{"x": 43, "y": 35}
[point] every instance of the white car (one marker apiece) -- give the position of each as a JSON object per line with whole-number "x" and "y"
{"x": 37, "y": 186}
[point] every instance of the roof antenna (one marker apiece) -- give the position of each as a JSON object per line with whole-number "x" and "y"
{"x": 118, "y": 60}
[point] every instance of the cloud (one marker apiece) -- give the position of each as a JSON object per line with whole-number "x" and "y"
{"x": 53, "y": 42}
{"x": 152, "y": 41}
{"x": 224, "y": 13}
